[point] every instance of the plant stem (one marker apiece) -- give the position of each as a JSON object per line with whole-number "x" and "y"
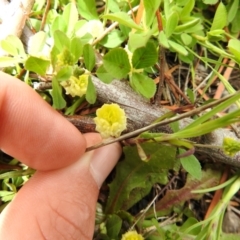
{"x": 162, "y": 123}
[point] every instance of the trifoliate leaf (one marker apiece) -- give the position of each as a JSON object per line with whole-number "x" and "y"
{"x": 143, "y": 85}
{"x": 145, "y": 56}
{"x": 37, "y": 65}
{"x": 116, "y": 62}
{"x": 103, "y": 75}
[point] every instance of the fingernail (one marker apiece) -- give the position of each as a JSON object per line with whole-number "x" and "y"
{"x": 103, "y": 161}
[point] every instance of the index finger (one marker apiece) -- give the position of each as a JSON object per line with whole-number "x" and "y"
{"x": 33, "y": 132}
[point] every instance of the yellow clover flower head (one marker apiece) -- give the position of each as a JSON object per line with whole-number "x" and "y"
{"x": 65, "y": 58}
{"x": 76, "y": 86}
{"x": 230, "y": 146}
{"x": 132, "y": 235}
{"x": 110, "y": 121}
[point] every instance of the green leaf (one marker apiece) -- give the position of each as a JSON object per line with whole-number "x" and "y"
{"x": 116, "y": 62}
{"x": 59, "y": 25}
{"x": 220, "y": 18}
{"x": 76, "y": 48}
{"x": 91, "y": 94}
{"x": 235, "y": 24}
{"x": 36, "y": 43}
{"x": 135, "y": 178}
{"x": 61, "y": 40}
{"x": 19, "y": 173}
{"x": 215, "y": 35}
{"x": 114, "y": 39}
{"x": 70, "y": 16}
{"x": 150, "y": 8}
{"x": 171, "y": 24}
{"x": 232, "y": 10}
{"x": 89, "y": 57}
{"x": 187, "y": 9}
{"x": 186, "y": 39}
{"x": 87, "y": 9}
{"x": 113, "y": 225}
{"x": 145, "y": 56}
{"x": 58, "y": 100}
{"x": 143, "y": 85}
{"x": 64, "y": 73}
{"x": 191, "y": 95}
{"x": 188, "y": 223}
{"x": 9, "y": 61}
{"x": 137, "y": 40}
{"x": 7, "y": 195}
{"x": 234, "y": 48}
{"x": 211, "y": 2}
{"x": 162, "y": 39}
{"x": 178, "y": 48}
{"x": 208, "y": 115}
{"x": 187, "y": 25}
{"x": 122, "y": 18}
{"x": 103, "y": 75}
{"x": 13, "y": 46}
{"x": 37, "y": 65}
{"x": 191, "y": 165}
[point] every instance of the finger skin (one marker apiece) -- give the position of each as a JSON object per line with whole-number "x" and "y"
{"x": 33, "y": 132}
{"x": 58, "y": 204}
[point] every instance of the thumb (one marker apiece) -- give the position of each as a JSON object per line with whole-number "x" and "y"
{"x": 60, "y": 204}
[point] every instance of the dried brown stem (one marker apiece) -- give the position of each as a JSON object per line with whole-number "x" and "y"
{"x": 141, "y": 113}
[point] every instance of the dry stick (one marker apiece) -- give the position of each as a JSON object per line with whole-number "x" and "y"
{"x": 45, "y": 14}
{"x": 161, "y": 63}
{"x": 131, "y": 9}
{"x": 139, "y": 13}
{"x": 111, "y": 27}
{"x": 226, "y": 75}
{"x": 168, "y": 76}
{"x": 218, "y": 194}
{"x": 158, "y": 124}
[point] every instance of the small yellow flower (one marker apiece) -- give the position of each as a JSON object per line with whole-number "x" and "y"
{"x": 111, "y": 120}
{"x": 65, "y": 58}
{"x": 231, "y": 146}
{"x": 76, "y": 86}
{"x": 132, "y": 235}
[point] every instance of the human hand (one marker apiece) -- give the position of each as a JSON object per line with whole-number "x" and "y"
{"x": 59, "y": 201}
